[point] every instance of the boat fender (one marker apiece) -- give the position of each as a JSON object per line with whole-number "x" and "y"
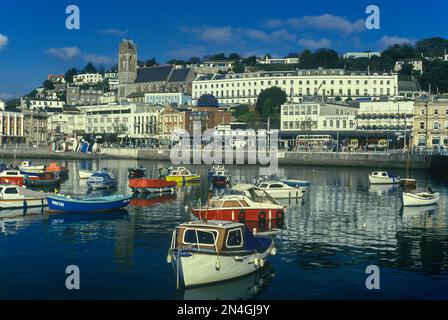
{"x": 280, "y": 215}
{"x": 261, "y": 262}
{"x": 256, "y": 262}
{"x": 217, "y": 265}
{"x": 273, "y": 251}
{"x": 262, "y": 216}
{"x": 169, "y": 258}
{"x": 254, "y": 231}
{"x": 242, "y": 216}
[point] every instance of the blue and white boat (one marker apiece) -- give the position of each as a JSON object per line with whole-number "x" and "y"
{"x": 221, "y": 178}
{"x": 213, "y": 170}
{"x": 297, "y": 183}
{"x": 101, "y": 180}
{"x": 62, "y": 203}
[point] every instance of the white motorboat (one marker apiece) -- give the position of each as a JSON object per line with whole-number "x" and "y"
{"x": 280, "y": 190}
{"x": 29, "y": 167}
{"x": 383, "y": 177}
{"x": 420, "y": 199}
{"x": 16, "y": 197}
{"x": 85, "y": 174}
{"x": 209, "y": 252}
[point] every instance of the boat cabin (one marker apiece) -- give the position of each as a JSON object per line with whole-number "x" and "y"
{"x": 221, "y": 173}
{"x": 229, "y": 202}
{"x": 11, "y": 173}
{"x": 273, "y": 185}
{"x": 215, "y": 236}
{"x": 382, "y": 174}
{"x": 9, "y": 192}
{"x": 180, "y": 171}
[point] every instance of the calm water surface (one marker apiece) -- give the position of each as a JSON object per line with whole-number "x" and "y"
{"x": 343, "y": 226}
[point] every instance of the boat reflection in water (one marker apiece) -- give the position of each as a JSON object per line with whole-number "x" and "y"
{"x": 148, "y": 199}
{"x": 419, "y": 216}
{"x": 381, "y": 189}
{"x": 244, "y": 288}
{"x": 67, "y": 218}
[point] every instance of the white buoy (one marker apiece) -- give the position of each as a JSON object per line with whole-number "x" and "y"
{"x": 254, "y": 231}
{"x": 169, "y": 258}
{"x": 273, "y": 251}
{"x": 186, "y": 208}
{"x": 364, "y": 225}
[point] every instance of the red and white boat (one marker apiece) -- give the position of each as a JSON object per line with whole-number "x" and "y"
{"x": 14, "y": 177}
{"x": 143, "y": 185}
{"x": 239, "y": 208}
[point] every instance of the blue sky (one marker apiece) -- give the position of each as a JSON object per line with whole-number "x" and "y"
{"x": 34, "y": 41}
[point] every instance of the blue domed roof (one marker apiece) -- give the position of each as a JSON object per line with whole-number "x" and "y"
{"x": 208, "y": 100}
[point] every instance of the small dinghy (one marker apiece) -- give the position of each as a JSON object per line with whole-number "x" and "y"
{"x": 62, "y": 203}
{"x": 182, "y": 175}
{"x": 220, "y": 178}
{"x": 420, "y": 199}
{"x": 152, "y": 185}
{"x": 27, "y": 167}
{"x": 209, "y": 252}
{"x": 408, "y": 182}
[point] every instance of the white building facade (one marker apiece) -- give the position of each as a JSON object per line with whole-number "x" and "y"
{"x": 243, "y": 88}
{"x": 11, "y": 127}
{"x": 87, "y": 78}
{"x": 314, "y": 116}
{"x": 41, "y": 104}
{"x": 166, "y": 98}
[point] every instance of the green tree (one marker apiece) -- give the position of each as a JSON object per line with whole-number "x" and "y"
{"x": 326, "y": 58}
{"x": 435, "y": 74}
{"x": 89, "y": 68}
{"x": 406, "y": 72}
{"x": 277, "y": 97}
{"x": 267, "y": 110}
{"x": 234, "y": 56}
{"x": 194, "y": 60}
{"x": 306, "y": 60}
{"x": 250, "y": 61}
{"x": 68, "y": 76}
{"x": 48, "y": 85}
{"x": 238, "y": 67}
{"x": 151, "y": 62}
{"x": 432, "y": 47}
{"x": 177, "y": 62}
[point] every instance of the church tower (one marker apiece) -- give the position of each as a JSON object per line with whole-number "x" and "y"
{"x": 127, "y": 68}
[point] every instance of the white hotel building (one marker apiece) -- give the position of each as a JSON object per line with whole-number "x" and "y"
{"x": 243, "y": 88}
{"x": 317, "y": 117}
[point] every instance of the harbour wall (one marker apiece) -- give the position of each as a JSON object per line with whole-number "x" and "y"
{"x": 379, "y": 160}
{"x": 342, "y": 159}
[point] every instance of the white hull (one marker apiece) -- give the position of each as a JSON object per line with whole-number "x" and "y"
{"x": 34, "y": 169}
{"x": 383, "y": 180}
{"x": 285, "y": 193}
{"x": 420, "y": 199}
{"x": 154, "y": 190}
{"x": 200, "y": 269}
{"x": 17, "y": 204}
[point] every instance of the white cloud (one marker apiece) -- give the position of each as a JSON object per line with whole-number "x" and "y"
{"x": 65, "y": 53}
{"x": 315, "y": 44}
{"x": 222, "y": 34}
{"x": 7, "y": 96}
{"x": 98, "y": 59}
{"x": 327, "y": 22}
{"x": 268, "y": 37}
{"x": 114, "y": 32}
{"x": 3, "y": 41}
{"x": 387, "y": 41}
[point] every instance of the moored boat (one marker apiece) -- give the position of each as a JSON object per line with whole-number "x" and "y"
{"x": 47, "y": 179}
{"x": 241, "y": 208}
{"x": 182, "y": 175}
{"x": 280, "y": 190}
{"x": 215, "y": 168}
{"x": 55, "y": 168}
{"x": 13, "y": 177}
{"x": 408, "y": 182}
{"x": 151, "y": 185}
{"x": 383, "y": 177}
{"x": 420, "y": 199}
{"x": 62, "y": 203}
{"x": 101, "y": 180}
{"x": 136, "y": 172}
{"x": 220, "y": 178}
{"x": 214, "y": 251}
{"x": 27, "y": 167}
{"x": 17, "y": 197}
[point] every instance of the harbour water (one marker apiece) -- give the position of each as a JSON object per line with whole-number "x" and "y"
{"x": 343, "y": 226}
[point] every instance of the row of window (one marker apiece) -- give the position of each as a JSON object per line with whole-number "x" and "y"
{"x": 306, "y": 125}
{"x": 291, "y": 82}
